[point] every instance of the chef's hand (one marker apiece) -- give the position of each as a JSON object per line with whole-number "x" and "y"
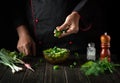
{"x": 26, "y": 44}
{"x": 71, "y": 24}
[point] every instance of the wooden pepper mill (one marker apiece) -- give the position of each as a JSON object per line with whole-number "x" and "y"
{"x": 105, "y": 45}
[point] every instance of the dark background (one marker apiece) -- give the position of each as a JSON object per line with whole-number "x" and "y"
{"x": 112, "y": 21}
{"x": 8, "y": 35}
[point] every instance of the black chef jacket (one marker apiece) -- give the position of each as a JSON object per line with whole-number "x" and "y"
{"x": 44, "y": 15}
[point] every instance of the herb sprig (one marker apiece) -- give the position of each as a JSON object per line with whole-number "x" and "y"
{"x": 98, "y": 67}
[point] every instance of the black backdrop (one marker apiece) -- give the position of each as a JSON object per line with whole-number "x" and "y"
{"x": 111, "y": 9}
{"x": 8, "y": 36}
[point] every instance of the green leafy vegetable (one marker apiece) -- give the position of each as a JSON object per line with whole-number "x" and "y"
{"x": 98, "y": 67}
{"x": 73, "y": 65}
{"x": 76, "y": 54}
{"x": 11, "y": 59}
{"x": 56, "y": 55}
{"x": 58, "y": 33}
{"x": 56, "y": 67}
{"x": 56, "y": 52}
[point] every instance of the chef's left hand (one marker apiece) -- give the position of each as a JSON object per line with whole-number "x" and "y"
{"x": 71, "y": 24}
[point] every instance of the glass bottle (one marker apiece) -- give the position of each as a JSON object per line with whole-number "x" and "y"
{"x": 91, "y": 51}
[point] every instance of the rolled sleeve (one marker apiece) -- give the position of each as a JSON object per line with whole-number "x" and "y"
{"x": 87, "y": 10}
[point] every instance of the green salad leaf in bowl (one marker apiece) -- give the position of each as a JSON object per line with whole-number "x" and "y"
{"x": 56, "y": 55}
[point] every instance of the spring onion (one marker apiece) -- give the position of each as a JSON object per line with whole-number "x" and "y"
{"x": 11, "y": 59}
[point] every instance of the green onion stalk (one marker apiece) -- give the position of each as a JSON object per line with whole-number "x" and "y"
{"x": 11, "y": 59}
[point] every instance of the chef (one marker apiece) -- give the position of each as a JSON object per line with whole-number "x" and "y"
{"x": 42, "y": 17}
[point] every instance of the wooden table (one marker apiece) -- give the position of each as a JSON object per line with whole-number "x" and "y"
{"x": 44, "y": 73}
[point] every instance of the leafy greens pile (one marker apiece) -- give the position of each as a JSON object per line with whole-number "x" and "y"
{"x": 56, "y": 52}
{"x": 11, "y": 59}
{"x": 98, "y": 67}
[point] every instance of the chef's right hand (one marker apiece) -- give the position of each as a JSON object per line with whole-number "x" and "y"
{"x": 26, "y": 44}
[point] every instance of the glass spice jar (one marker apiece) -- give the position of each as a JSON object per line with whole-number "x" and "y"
{"x": 91, "y": 51}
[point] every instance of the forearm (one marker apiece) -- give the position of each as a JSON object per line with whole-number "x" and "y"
{"x": 76, "y": 14}
{"x": 22, "y": 30}
{"x": 81, "y": 6}
{"x": 88, "y": 10}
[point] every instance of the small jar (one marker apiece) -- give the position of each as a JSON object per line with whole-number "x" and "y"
{"x": 91, "y": 51}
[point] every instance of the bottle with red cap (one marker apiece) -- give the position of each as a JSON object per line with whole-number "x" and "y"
{"x": 105, "y": 45}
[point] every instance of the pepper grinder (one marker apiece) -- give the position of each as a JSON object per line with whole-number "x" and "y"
{"x": 105, "y": 45}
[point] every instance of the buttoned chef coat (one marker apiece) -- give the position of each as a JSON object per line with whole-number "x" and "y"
{"x": 44, "y": 16}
